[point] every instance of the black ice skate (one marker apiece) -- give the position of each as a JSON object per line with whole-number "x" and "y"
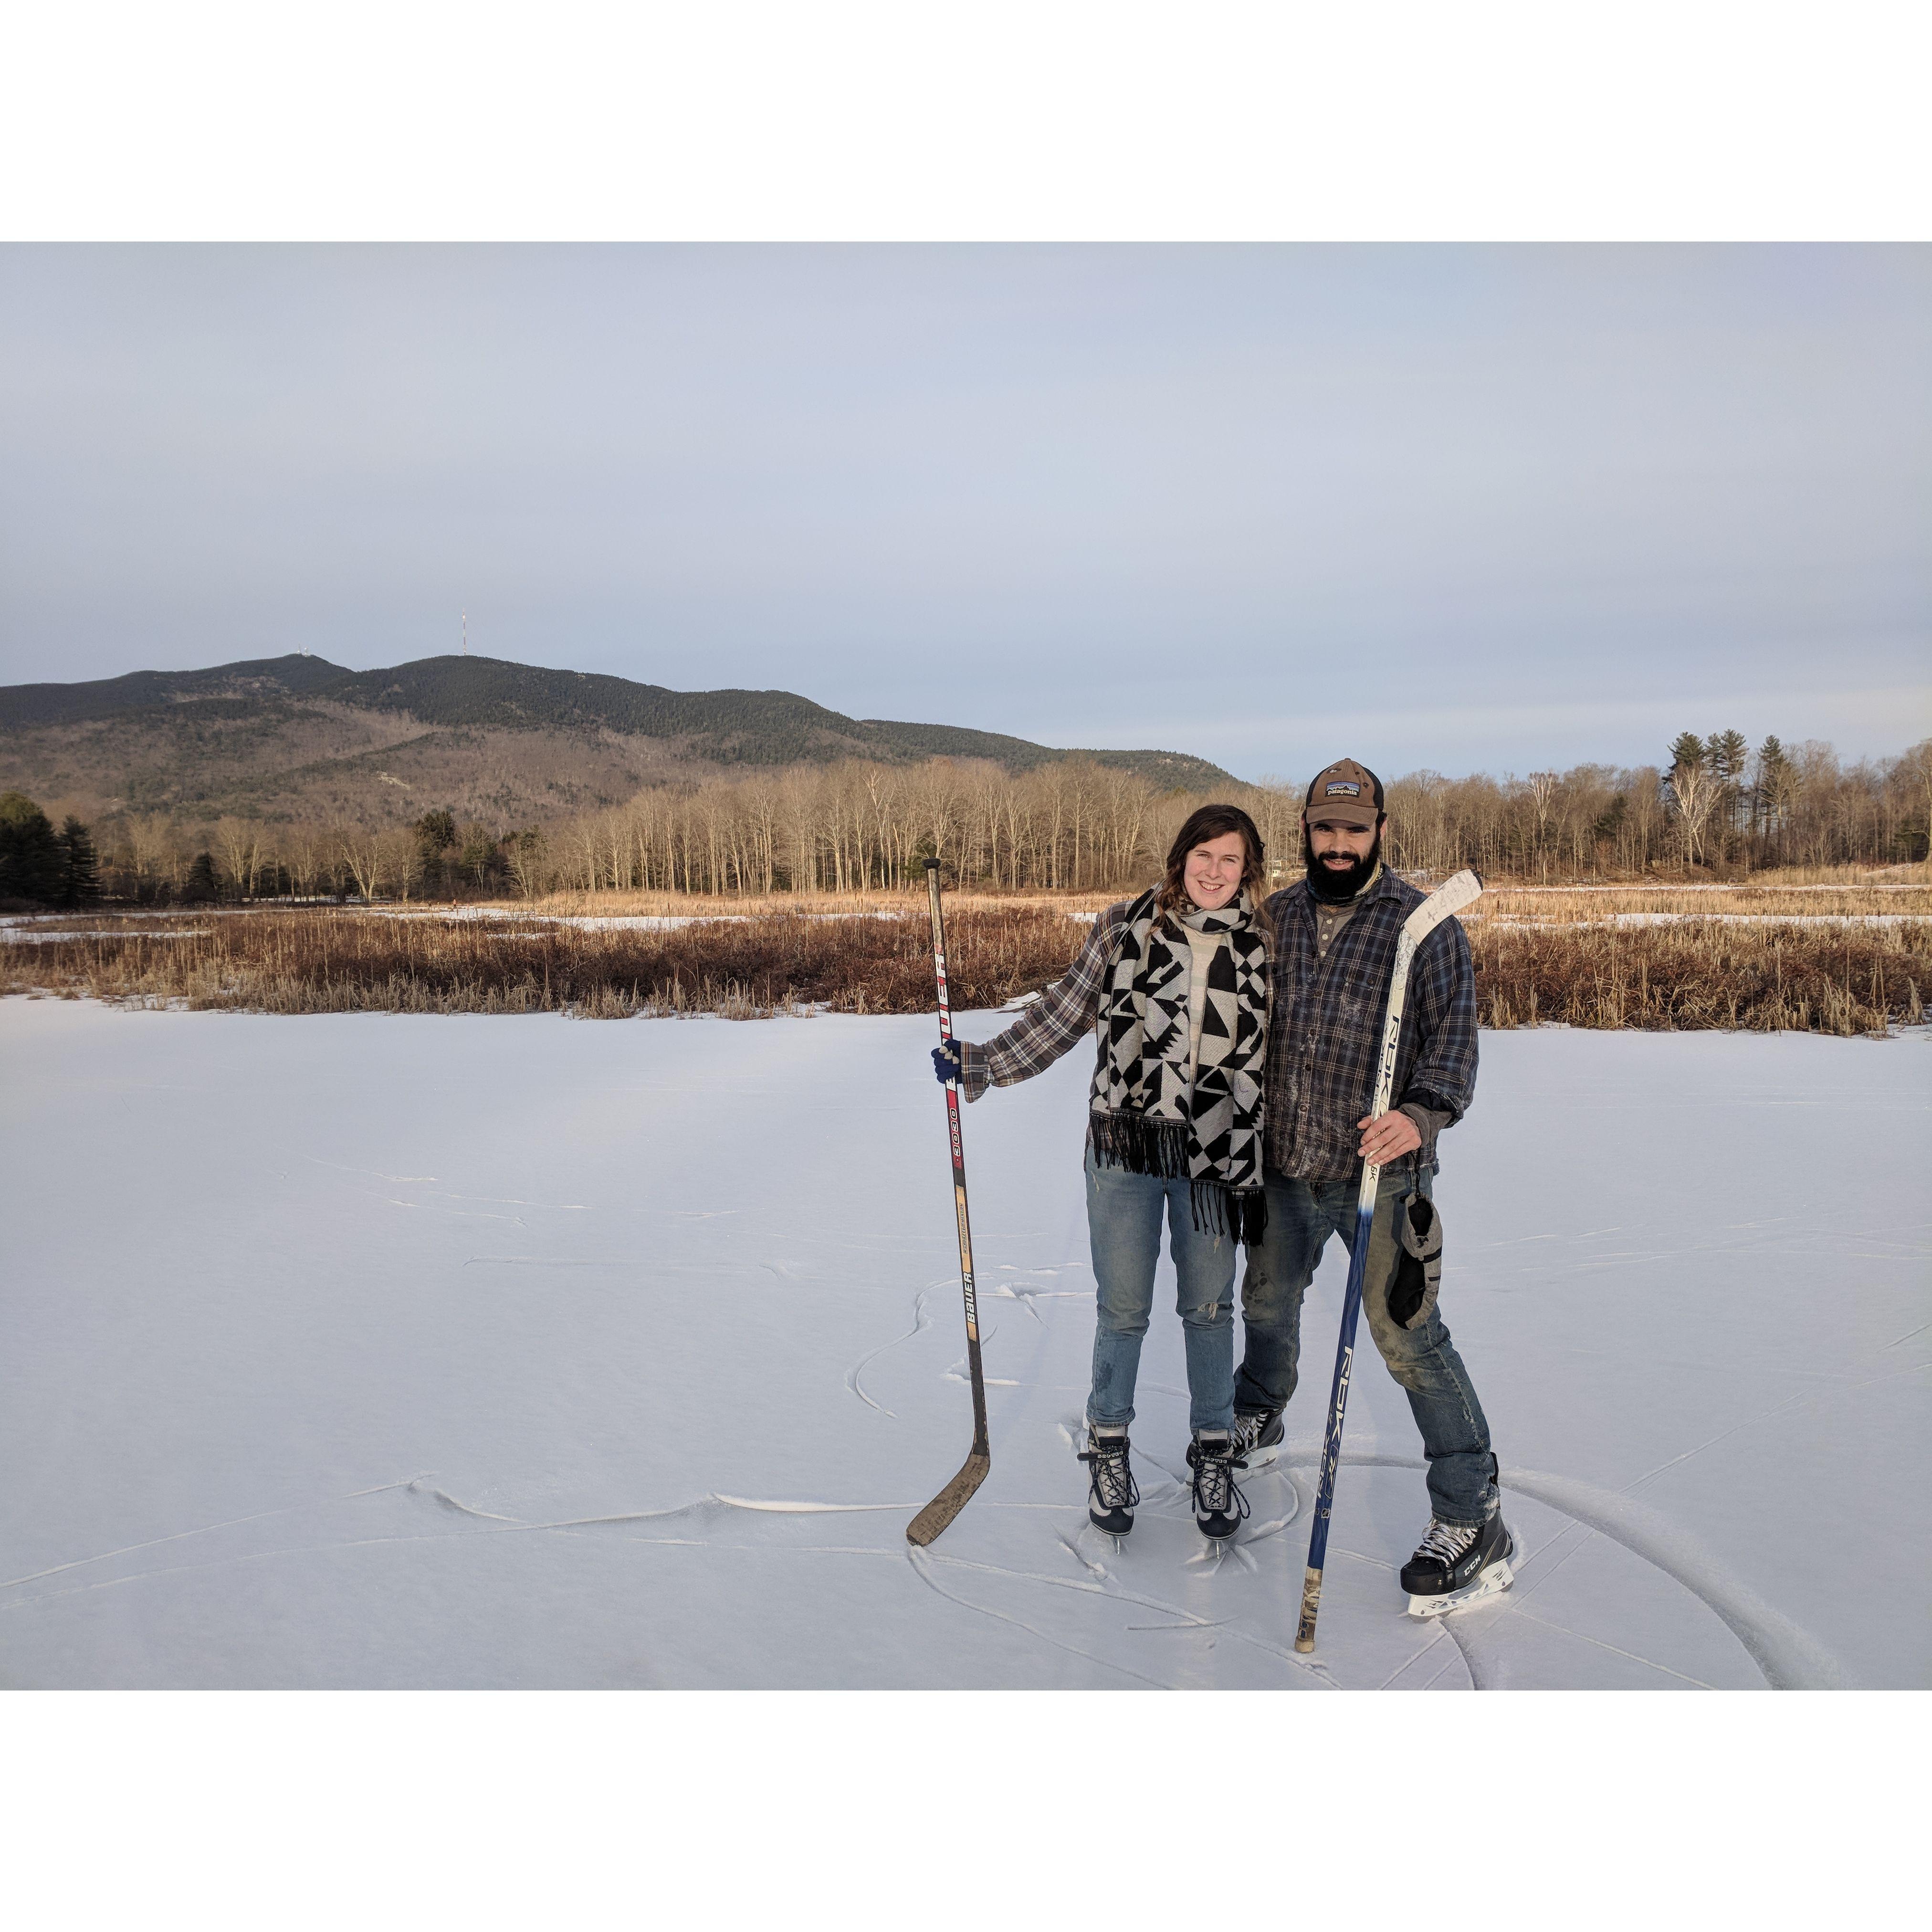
{"x": 1458, "y": 1563}
{"x": 1257, "y": 1437}
{"x": 1112, "y": 1491}
{"x": 1219, "y": 1506}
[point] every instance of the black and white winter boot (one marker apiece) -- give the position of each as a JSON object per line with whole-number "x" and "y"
{"x": 1219, "y": 1506}
{"x": 1112, "y": 1491}
{"x": 1457, "y": 1563}
{"x": 1257, "y": 1432}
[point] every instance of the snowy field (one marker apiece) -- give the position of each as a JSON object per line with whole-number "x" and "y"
{"x": 377, "y": 1351}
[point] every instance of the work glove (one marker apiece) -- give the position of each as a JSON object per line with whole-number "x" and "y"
{"x": 946, "y": 1063}
{"x": 1418, "y": 1266}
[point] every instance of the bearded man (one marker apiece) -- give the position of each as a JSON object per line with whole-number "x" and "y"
{"x": 1335, "y": 934}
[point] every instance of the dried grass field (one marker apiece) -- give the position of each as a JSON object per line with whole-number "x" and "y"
{"x": 1835, "y": 958}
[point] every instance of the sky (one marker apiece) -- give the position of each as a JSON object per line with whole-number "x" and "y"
{"x": 1466, "y": 508}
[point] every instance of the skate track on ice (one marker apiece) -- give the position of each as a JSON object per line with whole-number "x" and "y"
{"x": 369, "y": 1350}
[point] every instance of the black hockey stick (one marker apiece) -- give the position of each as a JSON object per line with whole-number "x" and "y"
{"x": 951, "y": 1500}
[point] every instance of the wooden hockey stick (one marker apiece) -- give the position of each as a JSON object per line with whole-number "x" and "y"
{"x": 951, "y": 1500}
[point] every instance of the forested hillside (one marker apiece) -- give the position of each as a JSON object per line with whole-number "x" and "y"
{"x": 296, "y": 737}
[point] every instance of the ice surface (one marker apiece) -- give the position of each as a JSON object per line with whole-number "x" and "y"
{"x": 371, "y": 1350}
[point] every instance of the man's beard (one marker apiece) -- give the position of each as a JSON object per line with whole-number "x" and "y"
{"x": 1326, "y": 884}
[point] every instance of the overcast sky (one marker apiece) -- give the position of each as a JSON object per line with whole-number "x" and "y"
{"x": 1471, "y": 508}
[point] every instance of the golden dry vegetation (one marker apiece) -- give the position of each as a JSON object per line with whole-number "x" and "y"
{"x": 1834, "y": 954}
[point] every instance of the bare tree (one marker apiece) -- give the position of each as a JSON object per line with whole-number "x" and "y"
{"x": 364, "y": 852}
{"x": 239, "y": 842}
{"x": 527, "y": 857}
{"x": 1543, "y": 792}
{"x": 402, "y": 859}
{"x": 1694, "y": 789}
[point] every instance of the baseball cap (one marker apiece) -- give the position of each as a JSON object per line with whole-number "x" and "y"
{"x": 1348, "y": 794}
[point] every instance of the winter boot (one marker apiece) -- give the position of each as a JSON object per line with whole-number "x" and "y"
{"x": 1457, "y": 1563}
{"x": 1257, "y": 1431}
{"x": 1219, "y": 1506}
{"x": 1112, "y": 1491}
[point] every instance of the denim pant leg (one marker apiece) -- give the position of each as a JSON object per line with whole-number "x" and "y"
{"x": 1204, "y": 1264}
{"x": 1455, "y": 1435}
{"x": 1280, "y": 1266}
{"x": 1123, "y": 1217}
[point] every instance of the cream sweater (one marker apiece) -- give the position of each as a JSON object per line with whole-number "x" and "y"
{"x": 1203, "y": 946}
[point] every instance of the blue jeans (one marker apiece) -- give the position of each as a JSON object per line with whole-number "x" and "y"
{"x": 1301, "y": 1216}
{"x": 1123, "y": 1217}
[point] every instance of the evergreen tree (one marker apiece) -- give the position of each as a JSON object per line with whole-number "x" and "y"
{"x": 1688, "y": 753}
{"x": 1729, "y": 753}
{"x": 203, "y": 885}
{"x": 436, "y": 843}
{"x": 1772, "y": 791}
{"x": 31, "y": 865}
{"x": 80, "y": 866}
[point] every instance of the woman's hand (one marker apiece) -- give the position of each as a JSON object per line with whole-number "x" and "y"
{"x": 946, "y": 1063}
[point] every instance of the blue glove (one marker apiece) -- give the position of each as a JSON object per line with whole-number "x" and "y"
{"x": 946, "y": 1063}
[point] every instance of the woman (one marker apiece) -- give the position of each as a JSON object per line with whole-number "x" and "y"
{"x": 1177, "y": 979}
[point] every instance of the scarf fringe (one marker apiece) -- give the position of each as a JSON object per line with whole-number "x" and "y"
{"x": 1159, "y": 1148}
{"x": 1142, "y": 1145}
{"x": 1223, "y": 1211}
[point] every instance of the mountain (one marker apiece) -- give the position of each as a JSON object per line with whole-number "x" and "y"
{"x": 297, "y": 736}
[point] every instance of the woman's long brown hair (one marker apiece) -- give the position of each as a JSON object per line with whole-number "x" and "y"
{"x": 1212, "y": 821}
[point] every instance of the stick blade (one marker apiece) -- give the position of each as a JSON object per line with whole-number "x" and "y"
{"x": 1464, "y": 889}
{"x": 939, "y": 1513}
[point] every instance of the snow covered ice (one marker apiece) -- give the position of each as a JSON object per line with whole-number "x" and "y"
{"x": 381, "y": 1351}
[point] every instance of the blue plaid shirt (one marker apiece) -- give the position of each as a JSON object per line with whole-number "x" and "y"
{"x": 1052, "y": 1024}
{"x": 1324, "y": 1034}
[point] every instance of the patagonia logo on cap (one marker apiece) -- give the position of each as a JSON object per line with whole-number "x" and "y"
{"x": 1342, "y": 787}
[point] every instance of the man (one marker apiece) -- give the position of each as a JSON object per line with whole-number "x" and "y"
{"x": 1335, "y": 935}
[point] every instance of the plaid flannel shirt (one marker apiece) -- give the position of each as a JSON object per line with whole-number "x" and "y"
{"x": 1051, "y": 1024}
{"x": 1325, "y": 1034}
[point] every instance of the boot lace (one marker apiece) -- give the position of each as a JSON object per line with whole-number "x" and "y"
{"x": 1249, "y": 1430}
{"x": 1215, "y": 1493}
{"x": 1113, "y": 1478}
{"x": 1448, "y": 1543}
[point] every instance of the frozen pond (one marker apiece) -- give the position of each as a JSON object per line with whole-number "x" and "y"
{"x": 378, "y": 1350}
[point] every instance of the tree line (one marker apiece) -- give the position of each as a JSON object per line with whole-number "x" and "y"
{"x": 40, "y": 866}
{"x": 1713, "y": 804}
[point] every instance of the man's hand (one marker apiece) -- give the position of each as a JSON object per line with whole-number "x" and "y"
{"x": 946, "y": 1063}
{"x": 1389, "y": 1136}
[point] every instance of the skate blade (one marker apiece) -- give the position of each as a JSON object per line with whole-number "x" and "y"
{"x": 1496, "y": 1579}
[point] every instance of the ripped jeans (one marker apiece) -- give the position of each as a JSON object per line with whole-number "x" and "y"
{"x": 1301, "y": 1216}
{"x": 1124, "y": 1212}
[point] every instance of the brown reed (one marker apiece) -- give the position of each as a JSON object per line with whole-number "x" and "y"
{"x": 319, "y": 960}
{"x": 1577, "y": 970}
{"x": 1698, "y": 973}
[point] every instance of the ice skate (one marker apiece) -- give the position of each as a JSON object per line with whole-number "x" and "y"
{"x": 1219, "y": 1506}
{"x": 1458, "y": 1563}
{"x": 1112, "y": 1491}
{"x": 1259, "y": 1436}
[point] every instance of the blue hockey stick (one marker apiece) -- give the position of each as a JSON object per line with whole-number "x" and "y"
{"x": 1450, "y": 897}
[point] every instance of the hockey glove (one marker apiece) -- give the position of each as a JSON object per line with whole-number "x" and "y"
{"x": 1417, "y": 1279}
{"x": 946, "y": 1063}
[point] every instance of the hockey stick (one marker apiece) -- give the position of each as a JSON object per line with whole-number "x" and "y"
{"x": 951, "y": 1500}
{"x": 1451, "y": 896}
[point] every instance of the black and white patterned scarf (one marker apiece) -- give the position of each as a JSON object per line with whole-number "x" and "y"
{"x": 1147, "y": 1117}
